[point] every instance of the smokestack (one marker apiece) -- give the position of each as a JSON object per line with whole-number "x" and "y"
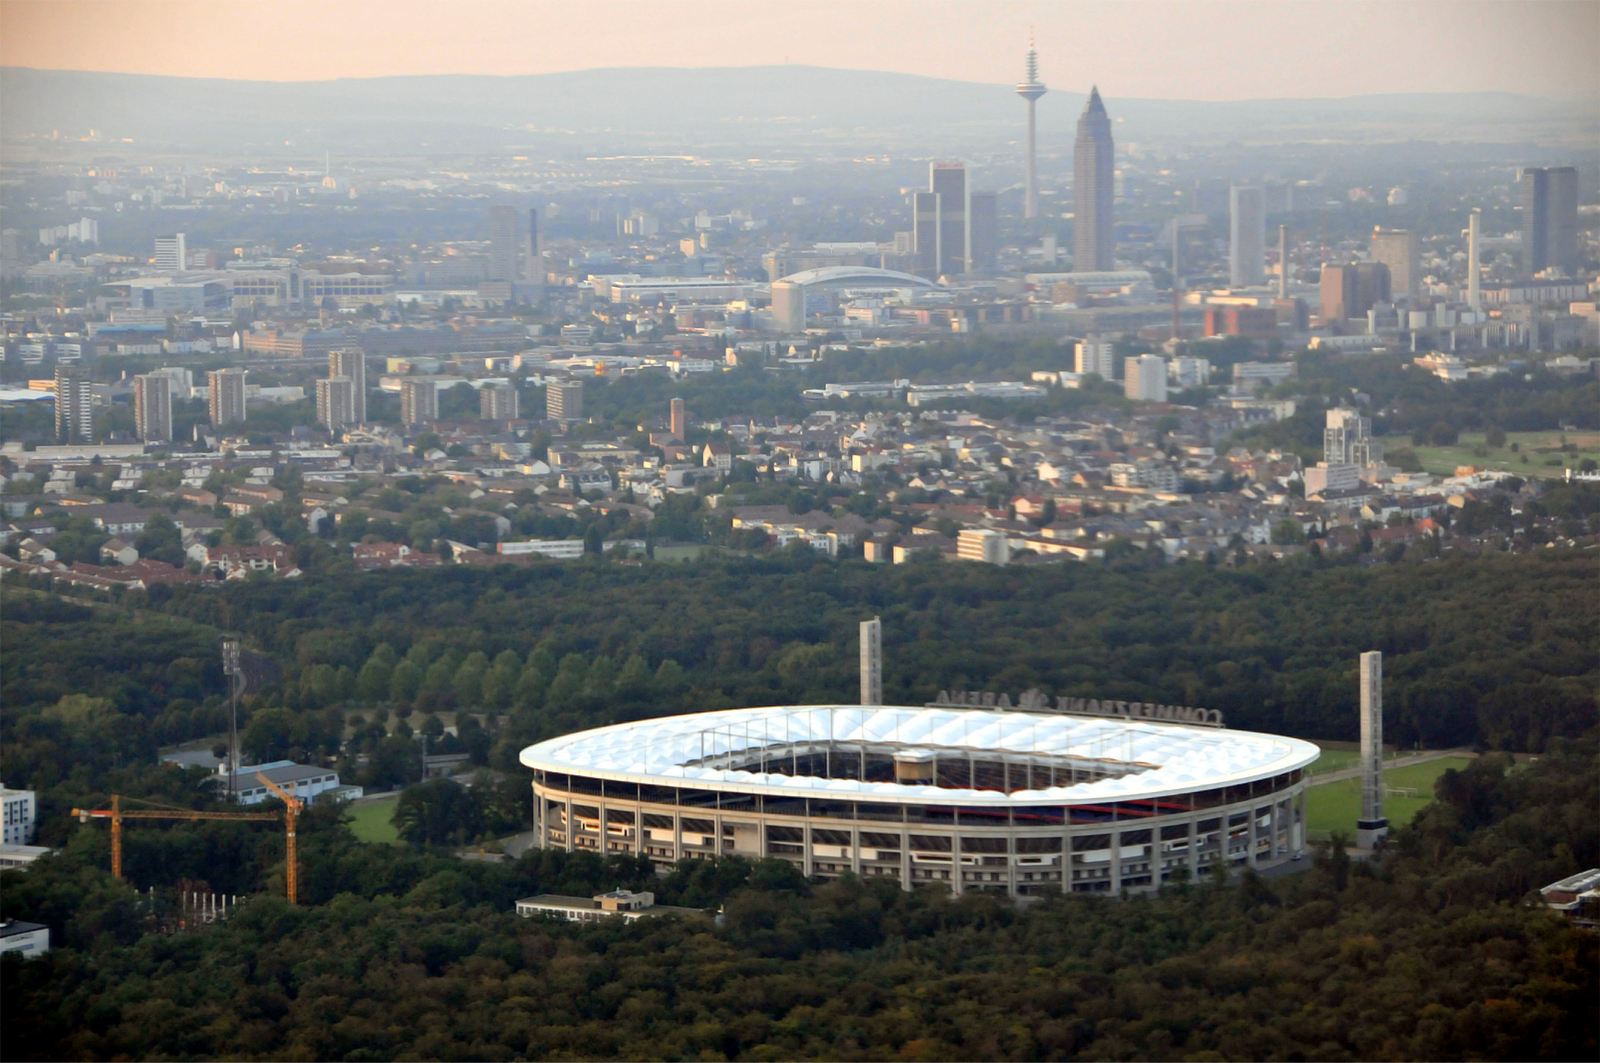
{"x": 1472, "y": 261}
{"x": 872, "y": 662}
{"x": 1371, "y": 828}
{"x": 1283, "y": 262}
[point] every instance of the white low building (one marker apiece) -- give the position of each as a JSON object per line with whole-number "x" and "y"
{"x": 302, "y": 780}
{"x": 20, "y": 812}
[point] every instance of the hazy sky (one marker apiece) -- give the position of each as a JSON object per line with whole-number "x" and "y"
{"x": 1200, "y": 49}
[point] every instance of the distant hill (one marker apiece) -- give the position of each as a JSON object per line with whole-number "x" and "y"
{"x": 706, "y": 109}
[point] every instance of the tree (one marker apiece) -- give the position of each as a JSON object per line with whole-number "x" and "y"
{"x": 468, "y": 682}
{"x": 405, "y": 682}
{"x": 437, "y": 812}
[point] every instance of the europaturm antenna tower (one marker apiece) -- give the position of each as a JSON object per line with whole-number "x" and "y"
{"x": 1031, "y": 88}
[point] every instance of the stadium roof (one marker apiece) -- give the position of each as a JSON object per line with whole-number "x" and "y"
{"x": 856, "y": 275}
{"x": 1161, "y": 759}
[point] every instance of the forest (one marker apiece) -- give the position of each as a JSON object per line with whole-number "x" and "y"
{"x": 406, "y": 951}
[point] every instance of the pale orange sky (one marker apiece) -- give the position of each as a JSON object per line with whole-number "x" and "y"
{"x": 1200, "y": 49}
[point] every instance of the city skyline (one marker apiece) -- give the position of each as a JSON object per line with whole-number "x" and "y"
{"x": 502, "y": 38}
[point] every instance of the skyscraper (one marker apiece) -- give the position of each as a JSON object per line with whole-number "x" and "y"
{"x": 1031, "y": 88}
{"x": 225, "y": 396}
{"x": 172, "y": 253}
{"x": 925, "y": 232}
{"x": 1397, "y": 249}
{"x": 1474, "y": 269}
{"x": 678, "y": 416}
{"x": 334, "y": 399}
{"x": 1093, "y": 189}
{"x": 498, "y": 402}
{"x": 983, "y": 231}
{"x": 1351, "y": 290}
{"x": 74, "y": 406}
{"x": 152, "y": 407}
{"x": 352, "y": 363}
{"x": 948, "y": 181}
{"x": 505, "y": 244}
{"x": 1549, "y": 219}
{"x": 419, "y": 402}
{"x": 1247, "y": 236}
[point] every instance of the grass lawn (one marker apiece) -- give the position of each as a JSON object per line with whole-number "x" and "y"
{"x": 1337, "y": 805}
{"x": 1540, "y": 453}
{"x": 369, "y": 822}
{"x": 1337, "y": 756}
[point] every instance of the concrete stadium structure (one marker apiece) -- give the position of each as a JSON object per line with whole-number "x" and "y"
{"x": 1024, "y": 803}
{"x": 789, "y": 293}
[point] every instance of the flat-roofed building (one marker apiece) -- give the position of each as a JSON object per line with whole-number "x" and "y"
{"x": 152, "y": 407}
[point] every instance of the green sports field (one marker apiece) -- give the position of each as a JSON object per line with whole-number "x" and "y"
{"x": 1337, "y": 805}
{"x": 370, "y": 822}
{"x": 1538, "y": 454}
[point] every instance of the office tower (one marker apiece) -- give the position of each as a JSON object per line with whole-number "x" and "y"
{"x": 1347, "y": 439}
{"x": 983, "y": 237}
{"x": 352, "y": 364}
{"x": 564, "y": 400}
{"x": 1474, "y": 269}
{"x": 1283, "y": 262}
{"x": 335, "y": 396}
{"x": 789, "y": 302}
{"x": 679, "y": 419}
{"x": 1372, "y": 827}
{"x": 74, "y": 406}
{"x": 172, "y": 253}
{"x": 505, "y": 236}
{"x": 535, "y": 271}
{"x": 925, "y": 232}
{"x": 1247, "y": 236}
{"x": 1397, "y": 249}
{"x": 1351, "y": 290}
{"x": 152, "y": 407}
{"x": 498, "y": 402}
{"x": 419, "y": 402}
{"x": 1145, "y": 378}
{"x": 948, "y": 181}
{"x": 225, "y": 396}
{"x": 1030, "y": 88}
{"x": 1095, "y": 355}
{"x": 1550, "y": 219}
{"x": 1093, "y": 190}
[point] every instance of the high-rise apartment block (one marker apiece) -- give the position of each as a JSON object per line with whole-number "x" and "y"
{"x": 352, "y": 363}
{"x": 564, "y": 400}
{"x": 74, "y": 406}
{"x": 1145, "y": 378}
{"x": 678, "y": 420}
{"x": 172, "y": 253}
{"x": 335, "y": 403}
{"x": 1397, "y": 249}
{"x": 1093, "y": 190}
{"x": 1347, "y": 439}
{"x": 225, "y": 396}
{"x": 152, "y": 407}
{"x": 1549, "y": 219}
{"x": 498, "y": 402}
{"x": 419, "y": 402}
{"x": 1096, "y": 355}
{"x": 1247, "y": 236}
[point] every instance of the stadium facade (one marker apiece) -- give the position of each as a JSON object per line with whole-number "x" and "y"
{"x": 1025, "y": 803}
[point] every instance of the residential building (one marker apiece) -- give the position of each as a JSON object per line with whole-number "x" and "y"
{"x": 152, "y": 407}
{"x": 419, "y": 402}
{"x": 498, "y": 402}
{"x": 1549, "y": 199}
{"x": 564, "y": 400}
{"x": 351, "y": 362}
{"x": 678, "y": 419}
{"x": 1247, "y": 236}
{"x": 1096, "y": 355}
{"x": 20, "y": 814}
{"x": 172, "y": 253}
{"x": 74, "y": 406}
{"x": 1347, "y": 439}
{"x": 1145, "y": 378}
{"x": 983, "y": 544}
{"x": 335, "y": 402}
{"x": 1093, "y": 189}
{"x": 225, "y": 395}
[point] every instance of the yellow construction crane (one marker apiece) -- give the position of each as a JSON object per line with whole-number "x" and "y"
{"x": 116, "y": 814}
{"x": 291, "y": 815}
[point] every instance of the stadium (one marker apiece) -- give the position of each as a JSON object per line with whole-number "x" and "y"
{"x": 972, "y": 799}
